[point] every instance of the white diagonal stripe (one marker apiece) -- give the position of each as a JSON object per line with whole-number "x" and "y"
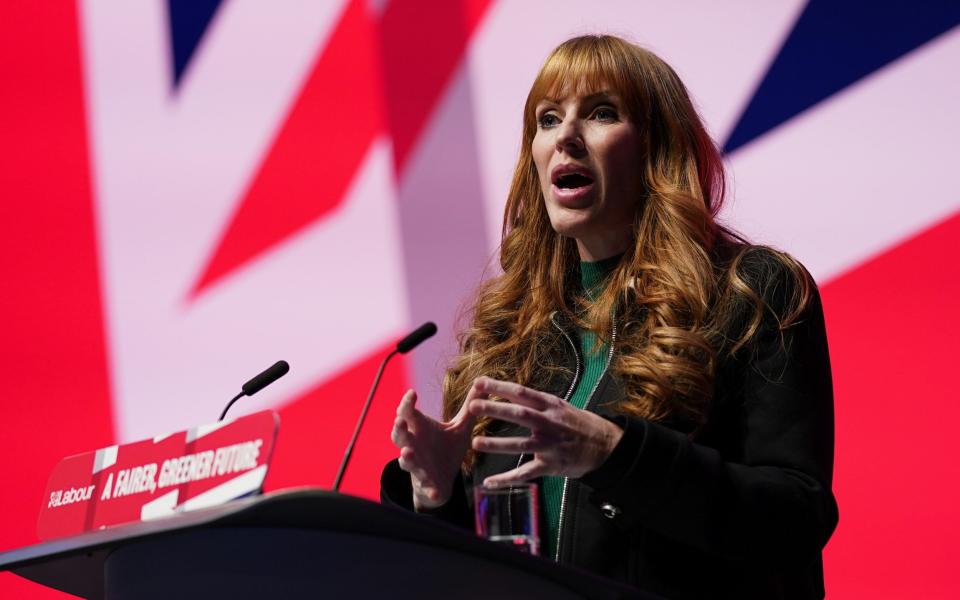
{"x": 106, "y": 457}
{"x": 249, "y": 482}
{"x": 198, "y": 432}
{"x": 164, "y": 506}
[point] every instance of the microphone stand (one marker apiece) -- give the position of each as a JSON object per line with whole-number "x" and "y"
{"x": 363, "y": 415}
{"x": 413, "y": 339}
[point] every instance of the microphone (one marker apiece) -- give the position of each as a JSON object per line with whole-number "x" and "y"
{"x": 424, "y": 332}
{"x": 414, "y": 339}
{"x": 273, "y": 373}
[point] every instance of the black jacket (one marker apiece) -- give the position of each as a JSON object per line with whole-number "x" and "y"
{"x": 741, "y": 509}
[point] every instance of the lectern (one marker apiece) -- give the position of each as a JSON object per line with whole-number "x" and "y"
{"x": 304, "y": 543}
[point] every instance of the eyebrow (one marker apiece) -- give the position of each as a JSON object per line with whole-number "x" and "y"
{"x": 587, "y": 98}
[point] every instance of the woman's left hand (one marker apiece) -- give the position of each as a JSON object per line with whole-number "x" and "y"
{"x": 564, "y": 440}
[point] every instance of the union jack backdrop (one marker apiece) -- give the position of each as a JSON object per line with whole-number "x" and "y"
{"x": 193, "y": 189}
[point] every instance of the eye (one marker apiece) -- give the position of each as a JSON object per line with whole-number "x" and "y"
{"x": 605, "y": 113}
{"x": 548, "y": 120}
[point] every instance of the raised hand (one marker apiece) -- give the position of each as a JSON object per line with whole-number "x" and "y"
{"x": 564, "y": 440}
{"x": 430, "y": 450}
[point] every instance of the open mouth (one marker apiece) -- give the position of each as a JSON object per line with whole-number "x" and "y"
{"x": 572, "y": 181}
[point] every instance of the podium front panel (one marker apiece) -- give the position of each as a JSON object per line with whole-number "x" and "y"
{"x": 254, "y": 563}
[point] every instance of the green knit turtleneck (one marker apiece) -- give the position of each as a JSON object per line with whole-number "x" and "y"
{"x": 593, "y": 276}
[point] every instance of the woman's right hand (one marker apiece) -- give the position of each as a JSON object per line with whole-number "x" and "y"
{"x": 430, "y": 450}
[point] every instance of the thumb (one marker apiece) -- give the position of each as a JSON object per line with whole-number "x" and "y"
{"x": 464, "y": 416}
{"x": 409, "y": 412}
{"x": 407, "y": 405}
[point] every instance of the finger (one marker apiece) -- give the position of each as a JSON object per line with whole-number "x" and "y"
{"x": 525, "y": 472}
{"x": 510, "y": 445}
{"x": 408, "y": 411}
{"x": 408, "y": 462}
{"x": 521, "y": 415}
{"x": 400, "y": 435}
{"x": 474, "y": 393}
{"x": 405, "y": 464}
{"x": 407, "y": 404}
{"x": 515, "y": 392}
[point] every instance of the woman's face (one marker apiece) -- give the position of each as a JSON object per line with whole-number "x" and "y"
{"x": 588, "y": 157}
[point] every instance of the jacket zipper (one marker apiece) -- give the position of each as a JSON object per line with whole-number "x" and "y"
{"x": 566, "y": 480}
{"x": 566, "y": 398}
{"x": 576, "y": 354}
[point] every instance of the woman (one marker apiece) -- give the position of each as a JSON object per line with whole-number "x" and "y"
{"x": 667, "y": 383}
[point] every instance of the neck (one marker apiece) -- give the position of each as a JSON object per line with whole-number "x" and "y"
{"x": 604, "y": 247}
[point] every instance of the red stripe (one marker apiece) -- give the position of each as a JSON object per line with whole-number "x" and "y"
{"x": 56, "y": 392}
{"x": 423, "y": 44}
{"x": 317, "y": 152}
{"x": 338, "y": 114}
{"x": 893, "y": 325}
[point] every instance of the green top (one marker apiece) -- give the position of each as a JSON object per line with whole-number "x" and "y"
{"x": 593, "y": 275}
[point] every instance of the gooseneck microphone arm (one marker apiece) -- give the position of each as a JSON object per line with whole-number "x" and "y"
{"x": 273, "y": 373}
{"x": 229, "y": 404}
{"x": 405, "y": 345}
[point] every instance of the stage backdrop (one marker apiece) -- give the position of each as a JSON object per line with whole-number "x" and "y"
{"x": 193, "y": 189}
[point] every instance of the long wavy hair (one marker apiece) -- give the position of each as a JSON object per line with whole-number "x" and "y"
{"x": 678, "y": 294}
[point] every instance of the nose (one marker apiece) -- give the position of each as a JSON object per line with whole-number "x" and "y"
{"x": 569, "y": 136}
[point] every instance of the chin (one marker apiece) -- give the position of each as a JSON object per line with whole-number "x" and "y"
{"x": 570, "y": 227}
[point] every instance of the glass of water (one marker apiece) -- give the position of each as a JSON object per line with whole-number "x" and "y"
{"x": 508, "y": 515}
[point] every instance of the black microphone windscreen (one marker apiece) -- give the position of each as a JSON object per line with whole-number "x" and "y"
{"x": 419, "y": 334}
{"x": 278, "y": 370}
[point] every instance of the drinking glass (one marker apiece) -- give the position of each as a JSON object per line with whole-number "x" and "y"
{"x": 508, "y": 515}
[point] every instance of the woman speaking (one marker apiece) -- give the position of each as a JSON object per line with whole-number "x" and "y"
{"x": 666, "y": 383}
